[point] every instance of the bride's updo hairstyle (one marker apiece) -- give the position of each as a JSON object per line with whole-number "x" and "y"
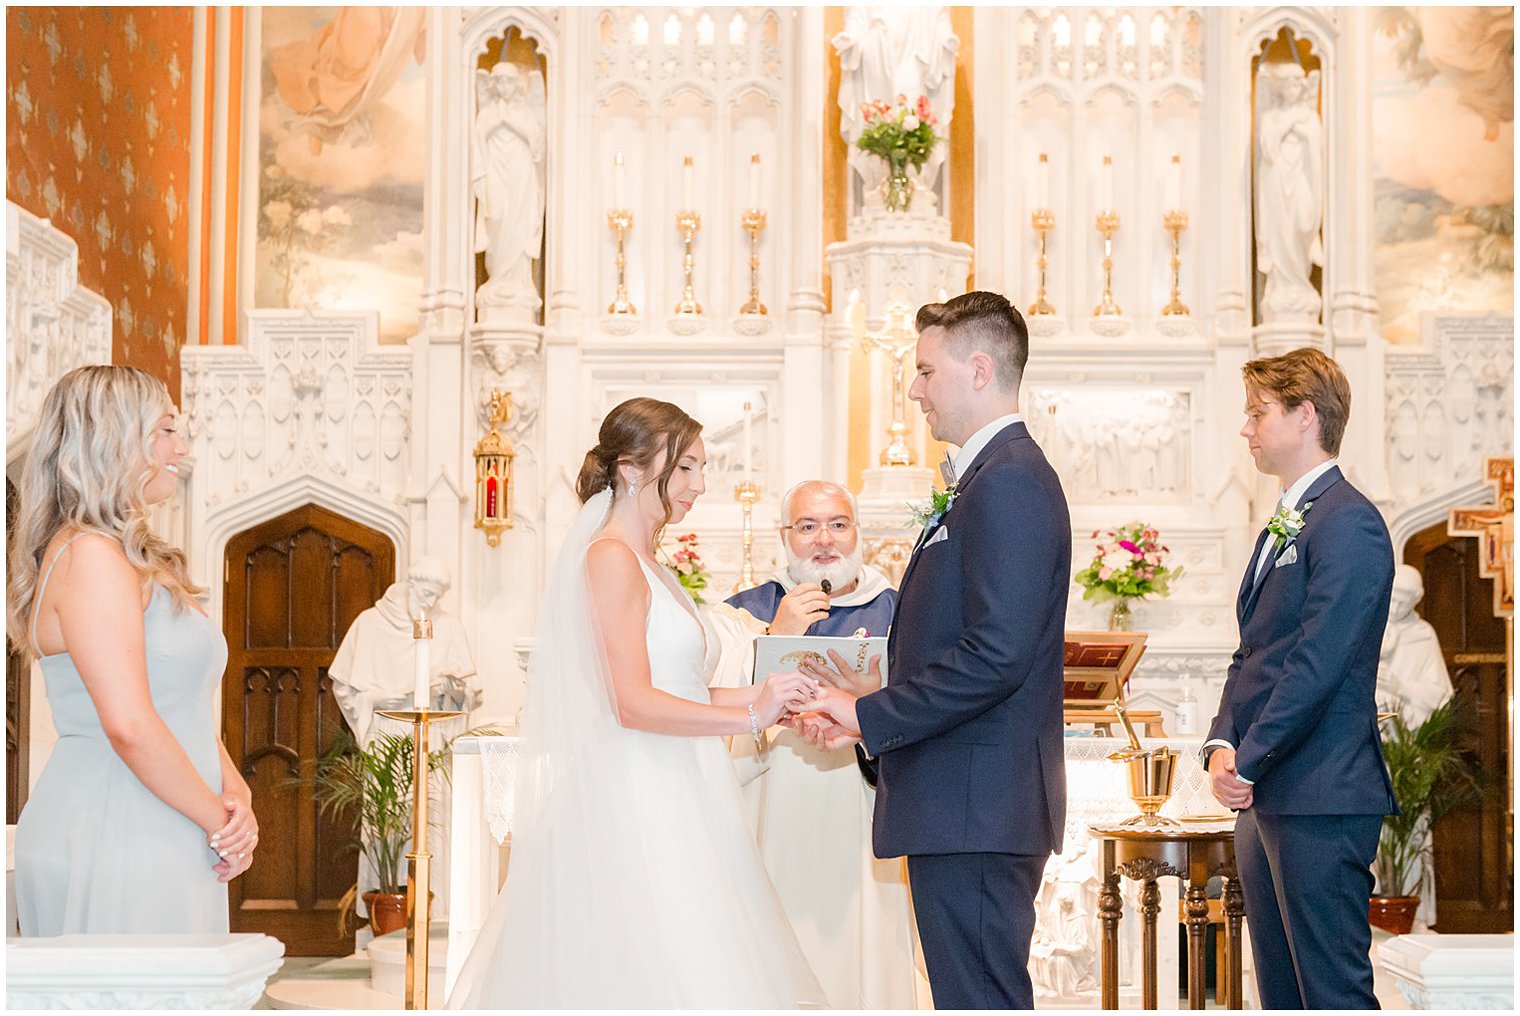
{"x": 636, "y": 432}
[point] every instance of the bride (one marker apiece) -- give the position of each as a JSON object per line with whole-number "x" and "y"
{"x": 635, "y": 881}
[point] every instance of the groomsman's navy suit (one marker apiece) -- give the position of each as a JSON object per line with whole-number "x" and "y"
{"x": 1298, "y": 706}
{"x": 967, "y": 733}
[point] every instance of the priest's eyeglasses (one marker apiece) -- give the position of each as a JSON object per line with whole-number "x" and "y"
{"x": 807, "y": 528}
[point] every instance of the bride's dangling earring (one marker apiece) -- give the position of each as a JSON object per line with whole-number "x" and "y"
{"x": 632, "y": 492}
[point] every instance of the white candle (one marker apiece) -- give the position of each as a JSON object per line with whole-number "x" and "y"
{"x": 619, "y": 194}
{"x": 422, "y": 696}
{"x": 754, "y": 181}
{"x": 688, "y": 202}
{"x": 1174, "y": 185}
{"x": 1042, "y": 182}
{"x": 1106, "y": 185}
{"x": 749, "y": 463}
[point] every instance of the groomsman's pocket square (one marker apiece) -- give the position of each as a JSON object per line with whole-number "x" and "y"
{"x": 943, "y": 534}
{"x": 1288, "y": 556}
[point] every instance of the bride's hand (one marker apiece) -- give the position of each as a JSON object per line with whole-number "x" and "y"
{"x": 784, "y": 693}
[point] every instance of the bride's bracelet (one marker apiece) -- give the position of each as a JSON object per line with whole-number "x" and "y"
{"x": 754, "y": 727}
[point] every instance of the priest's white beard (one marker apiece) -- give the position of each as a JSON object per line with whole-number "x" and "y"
{"x": 840, "y": 573}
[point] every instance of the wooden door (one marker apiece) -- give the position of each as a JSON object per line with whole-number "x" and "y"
{"x": 294, "y": 585}
{"x": 1473, "y": 847}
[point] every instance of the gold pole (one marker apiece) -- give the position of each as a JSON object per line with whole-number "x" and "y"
{"x": 419, "y": 867}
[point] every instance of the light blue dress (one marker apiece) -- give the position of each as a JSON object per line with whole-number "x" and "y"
{"x": 96, "y": 851}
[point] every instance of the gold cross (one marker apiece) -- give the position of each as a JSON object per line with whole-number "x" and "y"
{"x": 1494, "y": 525}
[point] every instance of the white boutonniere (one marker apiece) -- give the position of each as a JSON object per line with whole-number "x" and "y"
{"x": 1286, "y": 524}
{"x": 936, "y": 506}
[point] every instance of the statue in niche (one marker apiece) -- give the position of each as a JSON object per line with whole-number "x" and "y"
{"x": 1290, "y": 191}
{"x": 1412, "y": 676}
{"x": 885, "y": 52}
{"x": 1064, "y": 949}
{"x": 373, "y": 668}
{"x": 509, "y": 145}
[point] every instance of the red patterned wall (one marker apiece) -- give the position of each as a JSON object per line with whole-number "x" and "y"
{"x": 98, "y": 140}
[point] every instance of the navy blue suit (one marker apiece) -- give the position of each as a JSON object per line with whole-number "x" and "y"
{"x": 1299, "y": 707}
{"x": 968, "y": 731}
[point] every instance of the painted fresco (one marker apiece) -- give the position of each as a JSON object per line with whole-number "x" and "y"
{"x": 97, "y": 140}
{"x": 1444, "y": 151}
{"x": 342, "y": 141}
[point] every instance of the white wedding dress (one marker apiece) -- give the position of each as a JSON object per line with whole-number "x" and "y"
{"x": 635, "y": 880}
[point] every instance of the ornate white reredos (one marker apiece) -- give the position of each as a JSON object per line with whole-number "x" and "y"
{"x": 52, "y": 323}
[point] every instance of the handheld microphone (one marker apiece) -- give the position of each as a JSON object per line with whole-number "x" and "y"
{"x": 827, "y": 586}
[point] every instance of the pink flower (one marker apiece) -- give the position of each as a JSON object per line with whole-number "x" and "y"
{"x": 1127, "y": 545}
{"x": 923, "y": 107}
{"x": 1104, "y": 573}
{"x": 1111, "y": 548}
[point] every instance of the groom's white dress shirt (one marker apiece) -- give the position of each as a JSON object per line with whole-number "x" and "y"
{"x": 976, "y": 442}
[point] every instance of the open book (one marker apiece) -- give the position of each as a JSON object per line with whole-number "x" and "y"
{"x": 780, "y": 654}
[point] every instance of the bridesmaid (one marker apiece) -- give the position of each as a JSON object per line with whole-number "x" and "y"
{"x": 139, "y": 817}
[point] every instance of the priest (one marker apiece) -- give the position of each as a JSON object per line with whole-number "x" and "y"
{"x": 812, "y": 808}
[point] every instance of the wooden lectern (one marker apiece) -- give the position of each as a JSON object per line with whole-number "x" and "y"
{"x": 1098, "y": 665}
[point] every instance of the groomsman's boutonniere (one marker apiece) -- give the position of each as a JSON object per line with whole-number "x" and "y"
{"x": 1286, "y": 524}
{"x": 936, "y": 506}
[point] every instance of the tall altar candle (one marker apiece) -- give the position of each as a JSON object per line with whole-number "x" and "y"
{"x": 1106, "y": 185}
{"x": 422, "y": 676}
{"x": 749, "y": 444}
{"x": 619, "y": 194}
{"x": 754, "y": 180}
{"x": 688, "y": 203}
{"x": 1042, "y": 182}
{"x": 1174, "y": 185}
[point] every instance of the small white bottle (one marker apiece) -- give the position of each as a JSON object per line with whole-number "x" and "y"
{"x": 1187, "y": 710}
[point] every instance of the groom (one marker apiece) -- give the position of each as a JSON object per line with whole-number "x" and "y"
{"x": 967, "y": 734}
{"x": 1295, "y": 747}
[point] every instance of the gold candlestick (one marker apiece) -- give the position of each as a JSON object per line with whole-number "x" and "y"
{"x": 1043, "y": 220}
{"x": 746, "y": 493}
{"x": 688, "y": 223}
{"x": 621, "y": 221}
{"x": 1175, "y": 222}
{"x": 419, "y": 863}
{"x": 1108, "y": 225}
{"x": 753, "y": 222}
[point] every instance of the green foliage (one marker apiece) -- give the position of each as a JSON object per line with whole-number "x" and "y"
{"x": 1430, "y": 778}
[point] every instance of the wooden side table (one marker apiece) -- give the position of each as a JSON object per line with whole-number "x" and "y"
{"x": 1193, "y": 854}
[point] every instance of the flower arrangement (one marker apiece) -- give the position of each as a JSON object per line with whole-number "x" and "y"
{"x": 1130, "y": 564}
{"x": 903, "y": 135}
{"x": 686, "y": 562}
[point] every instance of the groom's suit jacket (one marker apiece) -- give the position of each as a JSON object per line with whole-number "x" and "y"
{"x": 968, "y": 731}
{"x": 1299, "y": 700}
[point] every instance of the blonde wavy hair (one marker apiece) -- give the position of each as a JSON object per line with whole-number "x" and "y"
{"x": 88, "y": 469}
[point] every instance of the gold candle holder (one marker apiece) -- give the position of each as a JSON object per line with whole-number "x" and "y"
{"x": 1043, "y": 220}
{"x": 620, "y": 221}
{"x": 1175, "y": 222}
{"x": 746, "y": 493}
{"x": 419, "y": 863}
{"x": 753, "y": 221}
{"x": 688, "y": 222}
{"x": 1108, "y": 225}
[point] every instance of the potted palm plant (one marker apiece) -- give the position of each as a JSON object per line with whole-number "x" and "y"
{"x": 372, "y": 789}
{"x": 1430, "y": 777}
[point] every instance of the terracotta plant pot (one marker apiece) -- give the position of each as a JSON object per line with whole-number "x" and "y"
{"x": 1394, "y": 914}
{"x": 387, "y": 911}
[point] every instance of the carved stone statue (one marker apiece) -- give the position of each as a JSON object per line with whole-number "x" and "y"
{"x": 1412, "y": 675}
{"x": 1064, "y": 951}
{"x": 885, "y": 52}
{"x": 509, "y": 143}
{"x": 1290, "y": 191}
{"x": 373, "y": 669}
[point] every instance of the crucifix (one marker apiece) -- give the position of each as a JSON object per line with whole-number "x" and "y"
{"x": 1494, "y": 525}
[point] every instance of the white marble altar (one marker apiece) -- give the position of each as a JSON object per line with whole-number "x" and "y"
{"x": 1452, "y": 971}
{"x": 139, "y": 971}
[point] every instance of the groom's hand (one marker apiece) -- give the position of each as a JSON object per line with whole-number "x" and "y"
{"x": 843, "y": 677}
{"x": 822, "y": 732}
{"x": 1227, "y": 790}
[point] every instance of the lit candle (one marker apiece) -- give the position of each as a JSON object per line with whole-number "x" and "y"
{"x": 619, "y": 194}
{"x": 1042, "y": 182}
{"x": 1106, "y": 185}
{"x": 754, "y": 180}
{"x": 688, "y": 203}
{"x": 1174, "y": 185}
{"x": 749, "y": 464}
{"x": 422, "y": 636}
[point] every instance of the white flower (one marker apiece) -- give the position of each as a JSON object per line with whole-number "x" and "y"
{"x": 1118, "y": 560}
{"x": 910, "y": 123}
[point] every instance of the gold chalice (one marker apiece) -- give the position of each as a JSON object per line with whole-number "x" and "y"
{"x": 1151, "y": 772}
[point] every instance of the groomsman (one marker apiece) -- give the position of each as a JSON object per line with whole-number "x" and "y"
{"x": 1295, "y": 747}
{"x": 967, "y": 734}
